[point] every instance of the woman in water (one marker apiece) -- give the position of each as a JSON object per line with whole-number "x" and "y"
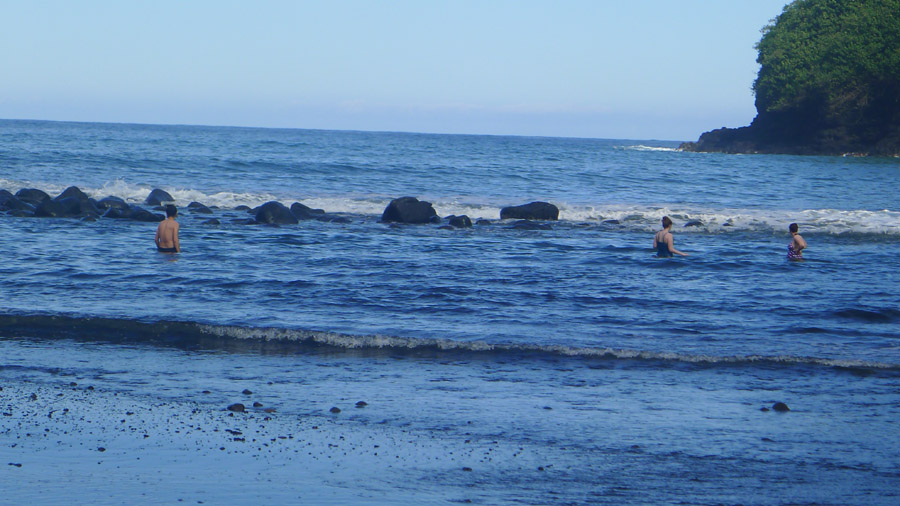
{"x": 797, "y": 244}
{"x": 663, "y": 241}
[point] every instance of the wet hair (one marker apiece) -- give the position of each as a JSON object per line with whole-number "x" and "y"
{"x": 667, "y": 222}
{"x": 171, "y": 211}
{"x": 793, "y": 228}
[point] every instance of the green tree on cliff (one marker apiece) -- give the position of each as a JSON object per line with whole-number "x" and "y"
{"x": 828, "y": 83}
{"x": 836, "y": 54}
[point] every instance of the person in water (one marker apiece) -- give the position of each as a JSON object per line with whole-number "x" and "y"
{"x": 167, "y": 233}
{"x": 663, "y": 241}
{"x": 797, "y": 244}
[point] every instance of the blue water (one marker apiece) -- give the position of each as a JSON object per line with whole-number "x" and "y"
{"x": 655, "y": 370}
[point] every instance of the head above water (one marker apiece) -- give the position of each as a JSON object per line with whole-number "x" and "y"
{"x": 793, "y": 228}
{"x": 171, "y": 211}
{"x": 667, "y": 222}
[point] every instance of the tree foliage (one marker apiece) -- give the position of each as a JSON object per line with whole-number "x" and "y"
{"x": 830, "y": 55}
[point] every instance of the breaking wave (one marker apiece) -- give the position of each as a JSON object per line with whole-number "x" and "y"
{"x": 688, "y": 219}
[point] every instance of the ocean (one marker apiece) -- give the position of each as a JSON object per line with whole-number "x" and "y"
{"x": 402, "y": 364}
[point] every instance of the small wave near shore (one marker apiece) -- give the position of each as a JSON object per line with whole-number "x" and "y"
{"x": 196, "y": 335}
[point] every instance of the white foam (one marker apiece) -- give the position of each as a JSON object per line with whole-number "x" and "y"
{"x": 642, "y": 147}
{"x": 824, "y": 221}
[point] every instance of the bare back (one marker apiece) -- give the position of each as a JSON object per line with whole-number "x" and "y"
{"x": 167, "y": 234}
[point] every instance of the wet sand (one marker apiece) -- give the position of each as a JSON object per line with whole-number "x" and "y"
{"x": 74, "y": 444}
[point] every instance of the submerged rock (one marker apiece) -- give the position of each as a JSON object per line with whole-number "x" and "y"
{"x": 140, "y": 214}
{"x": 409, "y": 210}
{"x": 32, "y": 195}
{"x": 530, "y": 225}
{"x": 303, "y": 212}
{"x": 781, "y": 407}
{"x": 531, "y": 211}
{"x": 73, "y": 192}
{"x": 158, "y": 197}
{"x": 275, "y": 213}
{"x": 112, "y": 203}
{"x": 459, "y": 221}
{"x": 9, "y": 202}
{"x": 197, "y": 207}
{"x": 50, "y": 209}
{"x": 236, "y": 407}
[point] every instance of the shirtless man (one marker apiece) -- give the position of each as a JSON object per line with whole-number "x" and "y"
{"x": 167, "y": 233}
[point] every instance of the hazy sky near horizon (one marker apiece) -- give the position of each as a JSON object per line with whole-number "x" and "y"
{"x": 643, "y": 69}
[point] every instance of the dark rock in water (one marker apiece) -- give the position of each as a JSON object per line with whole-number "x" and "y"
{"x": 78, "y": 207}
{"x": 446, "y": 227}
{"x": 303, "y": 212}
{"x": 158, "y": 197}
{"x": 236, "y": 407}
{"x": 275, "y": 213}
{"x": 140, "y": 214}
{"x": 72, "y": 192}
{"x": 409, "y": 210}
{"x": 112, "y": 203}
{"x": 9, "y": 202}
{"x": 781, "y": 407}
{"x": 330, "y": 218}
{"x": 119, "y": 213}
{"x": 32, "y": 195}
{"x": 257, "y": 404}
{"x": 243, "y": 208}
{"x": 531, "y": 211}
{"x": 459, "y": 221}
{"x": 484, "y": 222}
{"x": 335, "y": 410}
{"x": 467, "y": 469}
{"x": 611, "y": 222}
{"x": 244, "y": 221}
{"x": 693, "y": 223}
{"x": 247, "y": 392}
{"x": 101, "y": 449}
{"x": 362, "y": 404}
{"x": 50, "y": 209}
{"x": 212, "y": 221}
{"x": 530, "y": 225}
{"x": 196, "y": 207}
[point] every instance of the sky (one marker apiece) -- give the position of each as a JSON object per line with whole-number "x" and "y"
{"x": 637, "y": 69}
